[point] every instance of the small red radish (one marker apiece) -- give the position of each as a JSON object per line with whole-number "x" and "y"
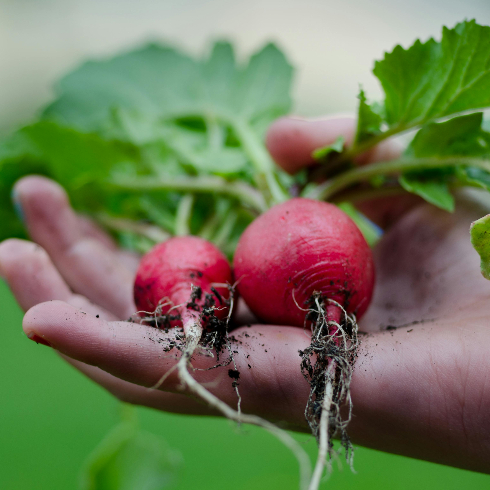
{"x": 182, "y": 276}
{"x": 185, "y": 281}
{"x": 305, "y": 262}
{"x": 186, "y": 275}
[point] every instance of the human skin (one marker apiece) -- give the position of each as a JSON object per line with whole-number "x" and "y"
{"x": 421, "y": 390}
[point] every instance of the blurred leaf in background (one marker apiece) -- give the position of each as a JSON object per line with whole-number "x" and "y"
{"x": 159, "y": 114}
{"x": 130, "y": 458}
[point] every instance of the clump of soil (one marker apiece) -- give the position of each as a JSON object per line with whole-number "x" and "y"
{"x": 215, "y": 339}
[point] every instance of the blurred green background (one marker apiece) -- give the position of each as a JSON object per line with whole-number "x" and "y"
{"x": 51, "y": 417}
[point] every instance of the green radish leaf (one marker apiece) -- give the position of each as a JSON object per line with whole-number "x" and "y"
{"x": 79, "y": 161}
{"x": 211, "y": 113}
{"x": 71, "y": 157}
{"x": 460, "y": 136}
{"x": 322, "y": 154}
{"x": 369, "y": 119}
{"x": 157, "y": 83}
{"x": 129, "y": 458}
{"x": 131, "y": 125}
{"x": 426, "y": 82}
{"x": 480, "y": 239}
{"x": 263, "y": 86}
{"x": 220, "y": 74}
{"x": 82, "y": 164}
{"x": 435, "y": 79}
{"x": 475, "y": 177}
{"x": 186, "y": 116}
{"x": 434, "y": 190}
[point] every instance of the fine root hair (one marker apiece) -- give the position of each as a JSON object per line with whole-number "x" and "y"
{"x": 327, "y": 364}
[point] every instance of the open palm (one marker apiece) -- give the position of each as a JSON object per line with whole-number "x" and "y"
{"x": 420, "y": 390}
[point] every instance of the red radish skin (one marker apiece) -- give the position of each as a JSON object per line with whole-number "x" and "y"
{"x": 299, "y": 248}
{"x": 168, "y": 271}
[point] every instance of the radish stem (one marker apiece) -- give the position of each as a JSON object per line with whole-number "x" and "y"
{"x": 152, "y": 232}
{"x": 183, "y": 217}
{"x": 331, "y": 187}
{"x": 245, "y": 193}
{"x": 262, "y": 161}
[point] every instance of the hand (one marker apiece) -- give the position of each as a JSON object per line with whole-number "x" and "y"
{"x": 420, "y": 390}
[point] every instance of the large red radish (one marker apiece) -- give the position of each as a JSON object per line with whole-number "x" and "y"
{"x": 299, "y": 248}
{"x": 306, "y": 263}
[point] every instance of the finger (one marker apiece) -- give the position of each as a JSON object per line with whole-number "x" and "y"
{"x": 87, "y": 265}
{"x": 136, "y": 353}
{"x": 291, "y": 142}
{"x": 89, "y": 229}
{"x": 34, "y": 279}
{"x": 139, "y": 395}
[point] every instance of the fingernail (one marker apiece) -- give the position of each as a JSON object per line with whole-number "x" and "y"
{"x": 17, "y": 205}
{"x": 39, "y": 340}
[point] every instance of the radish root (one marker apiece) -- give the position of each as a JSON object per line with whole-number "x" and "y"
{"x": 327, "y": 364}
{"x": 193, "y": 337}
{"x": 324, "y": 442}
